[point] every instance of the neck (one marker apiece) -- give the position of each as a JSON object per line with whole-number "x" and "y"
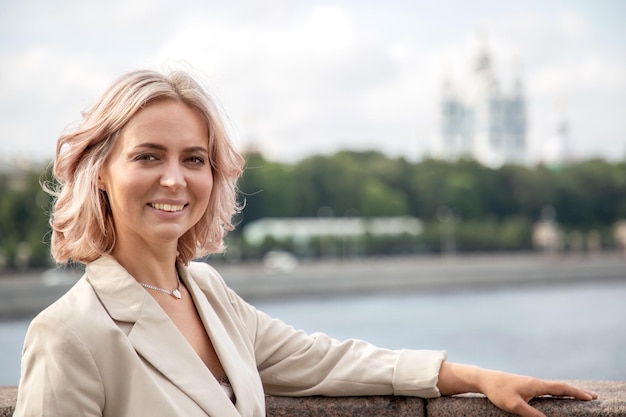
{"x": 154, "y": 267}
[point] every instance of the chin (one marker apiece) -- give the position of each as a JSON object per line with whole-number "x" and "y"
{"x": 169, "y": 235}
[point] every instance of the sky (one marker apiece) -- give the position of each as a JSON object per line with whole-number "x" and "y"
{"x": 296, "y": 78}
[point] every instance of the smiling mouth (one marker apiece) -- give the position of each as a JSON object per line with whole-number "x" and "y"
{"x": 167, "y": 207}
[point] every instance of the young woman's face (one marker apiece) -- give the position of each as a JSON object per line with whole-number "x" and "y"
{"x": 158, "y": 177}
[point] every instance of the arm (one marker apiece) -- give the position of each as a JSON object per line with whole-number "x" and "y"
{"x": 507, "y": 391}
{"x": 293, "y": 363}
{"x": 59, "y": 376}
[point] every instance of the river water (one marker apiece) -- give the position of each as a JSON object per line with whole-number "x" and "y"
{"x": 555, "y": 332}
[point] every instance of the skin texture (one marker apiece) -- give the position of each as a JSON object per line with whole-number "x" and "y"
{"x": 507, "y": 391}
{"x": 161, "y": 156}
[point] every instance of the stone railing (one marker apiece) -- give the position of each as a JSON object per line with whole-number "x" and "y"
{"x": 611, "y": 403}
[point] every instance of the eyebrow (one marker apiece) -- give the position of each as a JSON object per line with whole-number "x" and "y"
{"x": 160, "y": 147}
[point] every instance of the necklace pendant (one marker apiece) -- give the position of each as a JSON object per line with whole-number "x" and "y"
{"x": 176, "y": 294}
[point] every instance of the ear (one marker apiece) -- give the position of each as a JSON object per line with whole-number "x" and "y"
{"x": 101, "y": 183}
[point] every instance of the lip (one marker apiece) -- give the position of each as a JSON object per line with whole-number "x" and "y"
{"x": 168, "y": 206}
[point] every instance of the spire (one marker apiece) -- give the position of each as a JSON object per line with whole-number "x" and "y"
{"x": 482, "y": 58}
{"x": 556, "y": 150}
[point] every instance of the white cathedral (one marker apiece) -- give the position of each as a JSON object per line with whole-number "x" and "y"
{"x": 481, "y": 121}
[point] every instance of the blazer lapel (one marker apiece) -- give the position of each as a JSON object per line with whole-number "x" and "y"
{"x": 243, "y": 378}
{"x": 155, "y": 337}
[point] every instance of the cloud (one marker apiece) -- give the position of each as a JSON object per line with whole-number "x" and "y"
{"x": 43, "y": 91}
{"x": 566, "y": 70}
{"x": 573, "y": 25}
{"x": 320, "y": 83}
{"x": 302, "y": 78}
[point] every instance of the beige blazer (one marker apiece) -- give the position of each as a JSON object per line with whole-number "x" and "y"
{"x": 106, "y": 348}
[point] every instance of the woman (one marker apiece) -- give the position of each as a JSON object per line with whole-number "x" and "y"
{"x": 147, "y": 182}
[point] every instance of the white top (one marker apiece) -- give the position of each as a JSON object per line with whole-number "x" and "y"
{"x": 228, "y": 389}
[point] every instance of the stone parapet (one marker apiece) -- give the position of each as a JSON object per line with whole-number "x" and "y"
{"x": 383, "y": 406}
{"x": 8, "y": 397}
{"x": 611, "y": 403}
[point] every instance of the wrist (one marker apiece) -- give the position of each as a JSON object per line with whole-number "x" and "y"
{"x": 457, "y": 378}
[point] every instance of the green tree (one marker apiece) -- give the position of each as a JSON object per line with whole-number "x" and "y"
{"x": 268, "y": 189}
{"x": 377, "y": 199}
{"x": 24, "y": 229}
{"x": 588, "y": 194}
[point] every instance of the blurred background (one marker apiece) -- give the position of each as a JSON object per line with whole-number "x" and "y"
{"x": 446, "y": 175}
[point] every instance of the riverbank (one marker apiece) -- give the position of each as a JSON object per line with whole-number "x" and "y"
{"x": 420, "y": 273}
{"x": 26, "y": 294}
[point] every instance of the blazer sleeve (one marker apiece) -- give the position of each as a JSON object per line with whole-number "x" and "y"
{"x": 59, "y": 375}
{"x": 293, "y": 363}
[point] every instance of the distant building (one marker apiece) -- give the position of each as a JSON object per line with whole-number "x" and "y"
{"x": 335, "y": 236}
{"x": 620, "y": 235}
{"x": 547, "y": 237}
{"x": 309, "y": 228}
{"x": 481, "y": 121}
{"x": 555, "y": 151}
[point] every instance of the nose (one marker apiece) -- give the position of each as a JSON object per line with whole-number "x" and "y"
{"x": 173, "y": 176}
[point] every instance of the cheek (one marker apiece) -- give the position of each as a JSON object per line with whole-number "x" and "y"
{"x": 126, "y": 190}
{"x": 202, "y": 198}
{"x": 204, "y": 186}
{"x": 207, "y": 190}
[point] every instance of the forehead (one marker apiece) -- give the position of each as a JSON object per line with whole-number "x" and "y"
{"x": 169, "y": 121}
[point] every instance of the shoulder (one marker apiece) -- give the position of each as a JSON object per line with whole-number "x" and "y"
{"x": 77, "y": 315}
{"x": 73, "y": 305}
{"x": 60, "y": 357}
{"x": 203, "y": 271}
{"x": 212, "y": 284}
{"x": 66, "y": 330}
{"x": 206, "y": 276}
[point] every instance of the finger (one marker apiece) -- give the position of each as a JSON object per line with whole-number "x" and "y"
{"x": 565, "y": 390}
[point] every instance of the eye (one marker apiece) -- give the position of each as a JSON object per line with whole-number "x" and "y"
{"x": 196, "y": 160}
{"x": 146, "y": 157}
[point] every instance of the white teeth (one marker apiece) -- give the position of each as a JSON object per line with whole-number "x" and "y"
{"x": 167, "y": 207}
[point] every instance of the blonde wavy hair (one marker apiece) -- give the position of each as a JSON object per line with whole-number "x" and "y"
{"x": 81, "y": 221}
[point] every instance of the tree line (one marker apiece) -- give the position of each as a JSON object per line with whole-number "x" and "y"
{"x": 492, "y": 209}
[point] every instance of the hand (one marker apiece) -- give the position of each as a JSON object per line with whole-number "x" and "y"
{"x": 513, "y": 392}
{"x": 509, "y": 392}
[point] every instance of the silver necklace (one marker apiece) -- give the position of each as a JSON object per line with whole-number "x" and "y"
{"x": 176, "y": 293}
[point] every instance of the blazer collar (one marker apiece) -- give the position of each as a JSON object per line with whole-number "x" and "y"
{"x": 155, "y": 337}
{"x": 242, "y": 378}
{"x": 119, "y": 292}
